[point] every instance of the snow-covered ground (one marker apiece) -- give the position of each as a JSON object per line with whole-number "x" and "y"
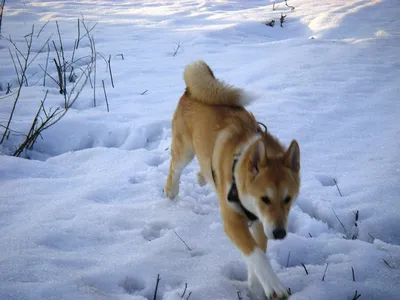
{"x": 85, "y": 218}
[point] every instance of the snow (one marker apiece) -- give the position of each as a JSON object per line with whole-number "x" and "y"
{"x": 82, "y": 214}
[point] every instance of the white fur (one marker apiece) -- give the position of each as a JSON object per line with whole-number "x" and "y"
{"x": 259, "y": 264}
{"x": 285, "y": 193}
{"x": 249, "y": 97}
{"x": 270, "y": 193}
{"x": 268, "y": 228}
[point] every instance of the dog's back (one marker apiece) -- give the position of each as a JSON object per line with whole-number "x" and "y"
{"x": 208, "y": 107}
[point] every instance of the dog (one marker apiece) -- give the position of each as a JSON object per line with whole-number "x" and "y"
{"x": 255, "y": 177}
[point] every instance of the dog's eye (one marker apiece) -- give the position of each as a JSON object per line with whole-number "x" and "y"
{"x": 287, "y": 200}
{"x": 266, "y": 200}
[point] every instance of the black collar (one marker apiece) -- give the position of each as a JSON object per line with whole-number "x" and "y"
{"x": 233, "y": 195}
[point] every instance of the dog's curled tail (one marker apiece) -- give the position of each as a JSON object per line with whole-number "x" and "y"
{"x": 202, "y": 85}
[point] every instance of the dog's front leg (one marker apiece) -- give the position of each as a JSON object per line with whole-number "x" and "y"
{"x": 236, "y": 227}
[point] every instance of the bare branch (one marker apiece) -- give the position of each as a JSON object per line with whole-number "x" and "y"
{"x": 282, "y": 19}
{"x": 40, "y": 31}
{"x": 109, "y": 66}
{"x": 291, "y": 7}
{"x": 105, "y": 94}
{"x": 6, "y": 132}
{"x": 177, "y": 49}
{"x": 182, "y": 240}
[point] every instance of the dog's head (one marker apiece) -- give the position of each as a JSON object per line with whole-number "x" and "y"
{"x": 268, "y": 185}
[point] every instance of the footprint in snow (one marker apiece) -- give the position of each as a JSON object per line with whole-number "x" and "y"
{"x": 131, "y": 285}
{"x": 155, "y": 230}
{"x": 155, "y": 134}
{"x": 154, "y": 137}
{"x": 235, "y": 271}
{"x": 326, "y": 180}
{"x": 137, "y": 178}
{"x": 156, "y": 160}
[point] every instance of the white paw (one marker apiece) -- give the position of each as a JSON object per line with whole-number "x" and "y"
{"x": 275, "y": 290}
{"x": 255, "y": 288}
{"x": 171, "y": 191}
{"x": 261, "y": 268}
{"x": 200, "y": 179}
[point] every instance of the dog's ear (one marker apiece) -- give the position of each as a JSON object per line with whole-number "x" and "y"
{"x": 291, "y": 158}
{"x": 258, "y": 157}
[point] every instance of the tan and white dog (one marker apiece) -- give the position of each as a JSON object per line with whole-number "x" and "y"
{"x": 255, "y": 177}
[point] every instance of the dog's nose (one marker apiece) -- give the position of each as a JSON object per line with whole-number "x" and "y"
{"x": 279, "y": 233}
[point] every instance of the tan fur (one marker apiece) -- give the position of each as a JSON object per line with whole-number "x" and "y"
{"x": 202, "y": 85}
{"x": 211, "y": 123}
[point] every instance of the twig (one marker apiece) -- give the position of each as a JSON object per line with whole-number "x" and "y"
{"x": 79, "y": 35}
{"x": 94, "y": 74}
{"x": 339, "y": 220}
{"x": 274, "y": 7}
{"x": 33, "y": 133}
{"x": 287, "y": 261}
{"x": 182, "y": 240}
{"x": 5, "y": 134}
{"x": 282, "y": 19}
{"x": 156, "y": 288}
{"x": 190, "y": 294}
{"x": 41, "y": 49}
{"x": 13, "y": 131}
{"x": 72, "y": 76}
{"x": 291, "y": 7}
{"x": 355, "y": 235}
{"x": 310, "y": 234}
{"x": 47, "y": 62}
{"x": 144, "y": 92}
{"x": 270, "y": 23}
{"x": 86, "y": 28}
{"x": 239, "y": 295}
{"x": 60, "y": 78}
{"x": 105, "y": 94}
{"x": 15, "y": 66}
{"x": 387, "y": 263}
{"x": 109, "y": 65}
{"x": 371, "y": 236}
{"x": 51, "y": 77}
{"x": 20, "y": 66}
{"x": 122, "y": 56}
{"x": 40, "y": 31}
{"x": 337, "y": 186}
{"x": 8, "y": 88}
{"x": 326, "y": 268}
{"x": 184, "y": 291}
{"x": 305, "y": 269}
{"x": 73, "y": 54}
{"x": 177, "y": 49}
{"x": 356, "y": 295}
{"x": 64, "y": 73}
{"x": 352, "y": 272}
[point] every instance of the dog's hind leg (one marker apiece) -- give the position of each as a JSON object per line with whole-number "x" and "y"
{"x": 182, "y": 154}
